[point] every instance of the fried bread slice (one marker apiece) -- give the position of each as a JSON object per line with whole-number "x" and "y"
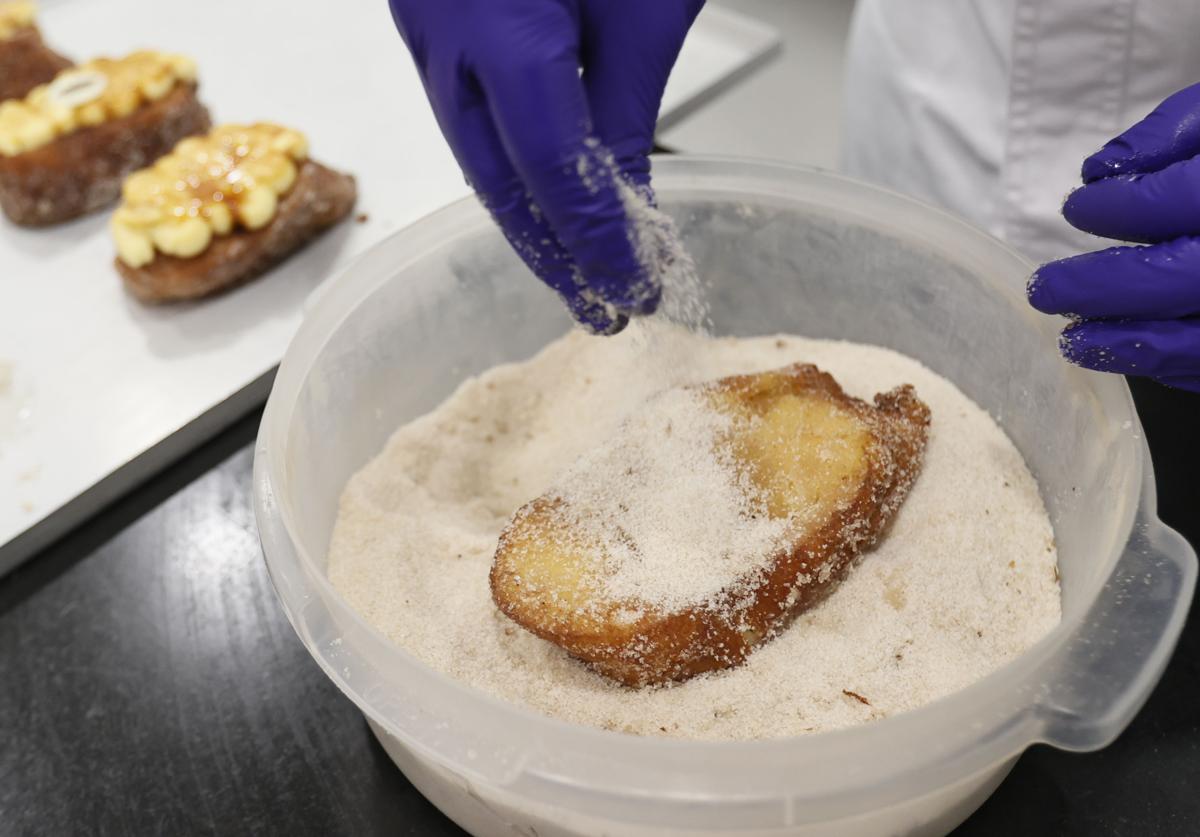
{"x": 82, "y": 171}
{"x": 319, "y": 198}
{"x": 828, "y": 470}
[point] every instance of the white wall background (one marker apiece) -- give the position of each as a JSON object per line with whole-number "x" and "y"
{"x": 789, "y": 110}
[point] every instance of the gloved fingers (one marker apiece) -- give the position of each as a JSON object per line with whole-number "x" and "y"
{"x": 466, "y": 122}
{"x": 1140, "y": 207}
{"x": 1161, "y": 281}
{"x": 625, "y": 70}
{"x": 1152, "y": 348}
{"x": 1169, "y": 134}
{"x": 537, "y": 101}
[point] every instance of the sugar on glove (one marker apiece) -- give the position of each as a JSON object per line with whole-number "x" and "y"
{"x": 547, "y": 105}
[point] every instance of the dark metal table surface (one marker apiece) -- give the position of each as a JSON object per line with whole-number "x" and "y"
{"x": 150, "y": 684}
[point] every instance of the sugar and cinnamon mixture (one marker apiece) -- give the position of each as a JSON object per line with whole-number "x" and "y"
{"x": 965, "y": 581}
{"x": 676, "y": 517}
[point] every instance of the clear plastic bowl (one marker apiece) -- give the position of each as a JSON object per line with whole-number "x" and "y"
{"x": 788, "y": 250}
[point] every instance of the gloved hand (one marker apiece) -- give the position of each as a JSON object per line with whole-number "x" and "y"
{"x": 1137, "y": 308}
{"x": 543, "y": 145}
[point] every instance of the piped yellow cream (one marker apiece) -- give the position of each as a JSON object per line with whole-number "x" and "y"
{"x": 235, "y": 175}
{"x": 15, "y": 16}
{"x": 92, "y": 93}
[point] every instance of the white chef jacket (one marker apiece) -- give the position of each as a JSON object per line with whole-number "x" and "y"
{"x": 988, "y": 107}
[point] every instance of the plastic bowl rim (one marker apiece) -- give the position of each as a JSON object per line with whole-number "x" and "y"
{"x": 289, "y": 383}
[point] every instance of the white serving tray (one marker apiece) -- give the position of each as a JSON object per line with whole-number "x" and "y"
{"x": 98, "y": 391}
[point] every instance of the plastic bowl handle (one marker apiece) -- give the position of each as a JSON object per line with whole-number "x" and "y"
{"x": 1108, "y": 671}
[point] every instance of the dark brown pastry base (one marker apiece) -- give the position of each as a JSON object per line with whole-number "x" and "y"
{"x": 82, "y": 171}
{"x": 318, "y": 199}
{"x": 26, "y": 62}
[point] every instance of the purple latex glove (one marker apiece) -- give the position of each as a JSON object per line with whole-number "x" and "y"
{"x": 1137, "y": 309}
{"x": 538, "y": 140}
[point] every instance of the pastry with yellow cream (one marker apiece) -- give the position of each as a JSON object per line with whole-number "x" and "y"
{"x": 25, "y": 60}
{"x": 222, "y": 208}
{"x": 66, "y": 147}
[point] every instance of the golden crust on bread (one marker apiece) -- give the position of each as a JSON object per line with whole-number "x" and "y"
{"x": 318, "y": 199}
{"x": 82, "y": 171}
{"x": 834, "y": 467}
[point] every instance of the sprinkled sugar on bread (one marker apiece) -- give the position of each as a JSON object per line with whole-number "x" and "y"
{"x": 964, "y": 581}
{"x": 710, "y": 520}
